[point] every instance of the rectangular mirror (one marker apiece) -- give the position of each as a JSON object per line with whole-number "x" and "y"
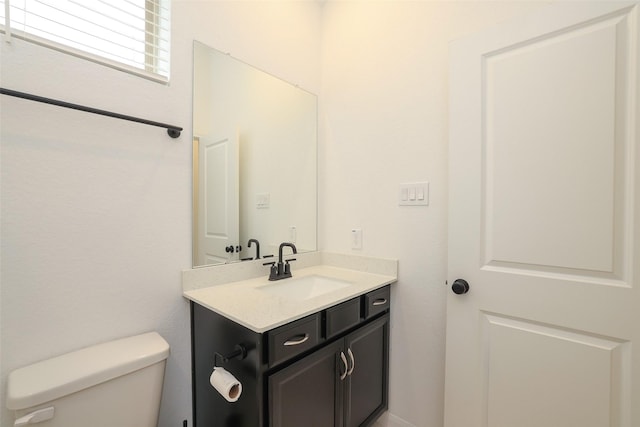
{"x": 254, "y": 161}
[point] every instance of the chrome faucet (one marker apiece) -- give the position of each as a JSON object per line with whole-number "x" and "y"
{"x": 282, "y": 270}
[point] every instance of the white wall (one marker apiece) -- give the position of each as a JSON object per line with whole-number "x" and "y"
{"x": 96, "y": 212}
{"x": 384, "y": 103}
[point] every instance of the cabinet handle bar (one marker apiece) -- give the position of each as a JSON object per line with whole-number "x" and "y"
{"x": 297, "y": 340}
{"x": 380, "y": 301}
{"x": 346, "y": 366}
{"x": 353, "y": 362}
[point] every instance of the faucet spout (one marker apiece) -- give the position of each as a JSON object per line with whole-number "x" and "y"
{"x": 257, "y": 247}
{"x": 285, "y": 244}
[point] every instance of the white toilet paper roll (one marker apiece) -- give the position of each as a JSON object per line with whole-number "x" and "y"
{"x": 226, "y": 384}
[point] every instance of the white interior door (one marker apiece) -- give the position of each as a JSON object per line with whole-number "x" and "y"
{"x": 544, "y": 221}
{"x": 218, "y": 199}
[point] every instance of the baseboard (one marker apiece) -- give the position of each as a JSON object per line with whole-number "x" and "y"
{"x": 390, "y": 420}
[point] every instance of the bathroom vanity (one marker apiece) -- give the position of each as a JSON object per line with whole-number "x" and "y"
{"x": 303, "y": 359}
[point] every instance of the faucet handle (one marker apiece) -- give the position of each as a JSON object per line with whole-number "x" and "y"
{"x": 273, "y": 273}
{"x": 287, "y": 267}
{"x": 272, "y": 264}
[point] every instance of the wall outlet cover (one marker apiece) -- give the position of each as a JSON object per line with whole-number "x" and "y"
{"x": 356, "y": 238}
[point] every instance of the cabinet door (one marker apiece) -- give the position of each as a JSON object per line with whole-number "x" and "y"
{"x": 366, "y": 394}
{"x": 309, "y": 392}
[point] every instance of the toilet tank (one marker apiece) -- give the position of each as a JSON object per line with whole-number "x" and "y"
{"x": 117, "y": 383}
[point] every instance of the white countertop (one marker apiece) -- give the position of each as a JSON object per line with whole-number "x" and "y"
{"x": 245, "y": 303}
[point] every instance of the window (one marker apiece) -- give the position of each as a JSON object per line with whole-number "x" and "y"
{"x": 132, "y": 35}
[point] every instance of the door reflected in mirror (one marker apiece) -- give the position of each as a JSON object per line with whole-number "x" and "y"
{"x": 254, "y": 161}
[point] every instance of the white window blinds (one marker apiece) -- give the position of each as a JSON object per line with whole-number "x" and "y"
{"x": 127, "y": 34}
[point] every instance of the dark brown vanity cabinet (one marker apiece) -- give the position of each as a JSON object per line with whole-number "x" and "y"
{"x": 342, "y": 384}
{"x": 330, "y": 368}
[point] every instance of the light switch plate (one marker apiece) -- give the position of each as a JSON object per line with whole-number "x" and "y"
{"x": 413, "y": 194}
{"x": 263, "y": 200}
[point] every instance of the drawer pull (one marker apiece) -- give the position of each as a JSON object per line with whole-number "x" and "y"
{"x": 346, "y": 366}
{"x": 353, "y": 362}
{"x": 297, "y": 340}
{"x": 380, "y": 301}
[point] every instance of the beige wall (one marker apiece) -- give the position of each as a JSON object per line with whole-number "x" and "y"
{"x": 385, "y": 115}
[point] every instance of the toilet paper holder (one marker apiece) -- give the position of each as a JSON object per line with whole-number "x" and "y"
{"x": 239, "y": 352}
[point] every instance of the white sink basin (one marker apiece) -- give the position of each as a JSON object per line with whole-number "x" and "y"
{"x": 304, "y": 288}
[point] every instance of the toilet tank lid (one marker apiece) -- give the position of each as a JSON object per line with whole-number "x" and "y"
{"x": 60, "y": 376}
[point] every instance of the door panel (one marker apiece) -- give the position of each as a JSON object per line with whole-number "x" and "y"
{"x": 549, "y": 148}
{"x": 546, "y": 376}
{"x": 543, "y": 207}
{"x": 218, "y": 200}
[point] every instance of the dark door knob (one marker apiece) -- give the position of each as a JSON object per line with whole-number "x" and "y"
{"x": 229, "y": 249}
{"x": 460, "y": 286}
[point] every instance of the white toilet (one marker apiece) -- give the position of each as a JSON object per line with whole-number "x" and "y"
{"x": 114, "y": 384}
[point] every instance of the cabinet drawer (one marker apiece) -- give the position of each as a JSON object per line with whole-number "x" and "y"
{"x": 342, "y": 317}
{"x": 377, "y": 301}
{"x": 292, "y": 339}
